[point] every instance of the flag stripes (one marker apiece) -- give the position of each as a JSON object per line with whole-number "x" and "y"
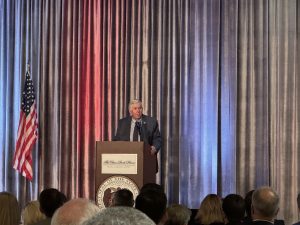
{"x": 27, "y": 131}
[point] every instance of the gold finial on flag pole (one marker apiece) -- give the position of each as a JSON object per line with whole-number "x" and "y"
{"x": 28, "y": 66}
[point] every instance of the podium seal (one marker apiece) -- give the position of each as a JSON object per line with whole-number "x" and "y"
{"x": 111, "y": 185}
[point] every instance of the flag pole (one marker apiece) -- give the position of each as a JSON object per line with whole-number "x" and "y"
{"x": 28, "y": 67}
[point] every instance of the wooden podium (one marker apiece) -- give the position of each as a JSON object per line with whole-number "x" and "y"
{"x": 121, "y": 163}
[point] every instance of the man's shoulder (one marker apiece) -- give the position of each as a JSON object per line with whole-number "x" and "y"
{"x": 125, "y": 119}
{"x": 298, "y": 223}
{"x": 149, "y": 119}
{"x": 279, "y": 222}
{"x": 262, "y": 222}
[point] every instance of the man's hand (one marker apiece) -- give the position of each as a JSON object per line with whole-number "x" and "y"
{"x": 153, "y": 150}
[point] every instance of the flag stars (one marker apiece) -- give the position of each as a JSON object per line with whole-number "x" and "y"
{"x": 27, "y": 95}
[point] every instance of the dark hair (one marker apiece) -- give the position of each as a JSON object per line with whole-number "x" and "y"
{"x": 152, "y": 203}
{"x": 248, "y": 202}
{"x": 298, "y": 201}
{"x": 51, "y": 199}
{"x": 152, "y": 186}
{"x": 234, "y": 207}
{"x": 123, "y": 197}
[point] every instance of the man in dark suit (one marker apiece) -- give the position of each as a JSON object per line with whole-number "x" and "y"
{"x": 265, "y": 206}
{"x": 139, "y": 127}
{"x": 248, "y": 218}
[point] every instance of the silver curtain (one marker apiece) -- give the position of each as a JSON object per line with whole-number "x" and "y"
{"x": 221, "y": 76}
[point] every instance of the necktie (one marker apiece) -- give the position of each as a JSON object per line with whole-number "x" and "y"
{"x": 136, "y": 131}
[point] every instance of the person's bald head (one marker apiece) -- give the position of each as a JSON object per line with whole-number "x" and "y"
{"x": 265, "y": 203}
{"x": 74, "y": 212}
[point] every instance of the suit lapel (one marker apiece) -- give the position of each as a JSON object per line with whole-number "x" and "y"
{"x": 128, "y": 127}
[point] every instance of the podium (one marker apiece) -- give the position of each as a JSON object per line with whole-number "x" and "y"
{"x": 122, "y": 164}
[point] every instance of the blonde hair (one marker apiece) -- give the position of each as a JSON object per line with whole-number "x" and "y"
{"x": 9, "y": 209}
{"x": 210, "y": 210}
{"x": 32, "y": 214}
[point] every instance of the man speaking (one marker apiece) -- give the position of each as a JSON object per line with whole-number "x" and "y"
{"x": 139, "y": 127}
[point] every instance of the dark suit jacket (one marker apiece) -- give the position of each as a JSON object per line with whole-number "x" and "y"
{"x": 248, "y": 221}
{"x": 261, "y": 222}
{"x": 279, "y": 222}
{"x": 235, "y": 223}
{"x": 150, "y": 131}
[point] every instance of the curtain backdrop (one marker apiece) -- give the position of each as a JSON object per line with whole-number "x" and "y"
{"x": 221, "y": 77}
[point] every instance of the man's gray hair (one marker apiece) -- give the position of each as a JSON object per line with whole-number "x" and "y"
{"x": 120, "y": 215}
{"x": 266, "y": 201}
{"x": 134, "y": 101}
{"x": 75, "y": 212}
{"x": 178, "y": 214}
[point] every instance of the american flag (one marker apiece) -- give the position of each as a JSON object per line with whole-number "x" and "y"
{"x": 27, "y": 131}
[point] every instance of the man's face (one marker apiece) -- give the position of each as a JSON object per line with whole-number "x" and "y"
{"x": 136, "y": 111}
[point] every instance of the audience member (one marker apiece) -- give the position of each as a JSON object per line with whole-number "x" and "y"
{"x": 122, "y": 197}
{"x": 177, "y": 215}
{"x": 248, "y": 203}
{"x": 74, "y": 212}
{"x": 193, "y": 216}
{"x": 210, "y": 211}
{"x": 153, "y": 203}
{"x": 50, "y": 199}
{"x": 234, "y": 209}
{"x": 265, "y": 206}
{"x": 119, "y": 215}
{"x": 298, "y": 204}
{"x": 248, "y": 218}
{"x": 32, "y": 214}
{"x": 152, "y": 186}
{"x": 108, "y": 195}
{"x": 9, "y": 209}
